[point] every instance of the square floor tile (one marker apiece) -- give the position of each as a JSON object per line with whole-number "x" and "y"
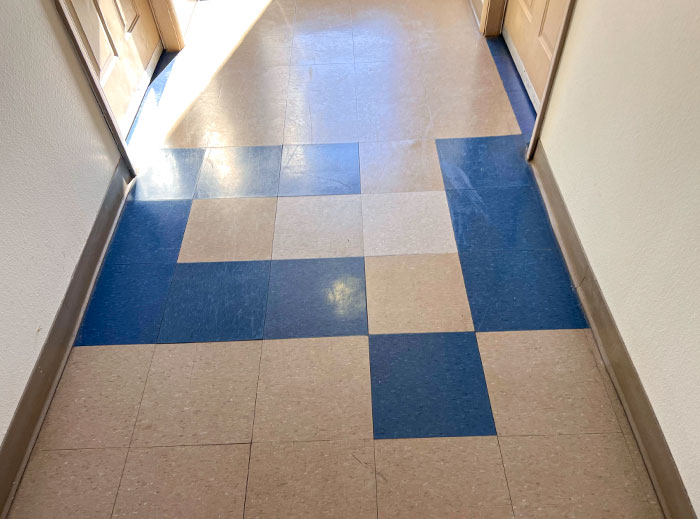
{"x": 320, "y": 169}
{"x": 317, "y": 47}
{"x": 314, "y": 389}
{"x": 332, "y": 479}
{"x": 126, "y": 305}
{"x": 198, "y": 394}
{"x": 587, "y": 475}
{"x": 245, "y": 121}
{"x": 400, "y": 166}
{"x": 484, "y": 162}
{"x": 416, "y": 293}
{"x": 441, "y": 477}
{"x": 428, "y": 385}
{"x": 149, "y": 232}
{"x": 168, "y": 174}
{"x": 97, "y": 399}
{"x": 394, "y": 119}
{"x": 216, "y": 302}
{"x": 318, "y": 227}
{"x": 520, "y": 290}
{"x": 499, "y": 219}
{"x": 316, "y": 298}
{"x": 319, "y": 118}
{"x": 195, "y": 482}
{"x": 545, "y": 382}
{"x": 480, "y": 113}
{"x": 240, "y": 172}
{"x": 229, "y": 229}
{"x": 69, "y": 483}
{"x": 407, "y": 223}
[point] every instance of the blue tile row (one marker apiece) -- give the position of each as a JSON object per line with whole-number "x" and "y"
{"x": 255, "y": 171}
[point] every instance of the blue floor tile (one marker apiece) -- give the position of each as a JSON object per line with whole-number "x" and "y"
{"x": 484, "y": 162}
{"x": 126, "y": 306}
{"x": 497, "y": 46}
{"x": 168, "y": 174}
{"x": 316, "y": 298}
{"x": 320, "y": 169}
{"x": 149, "y": 232}
{"x": 499, "y": 219}
{"x": 252, "y": 171}
{"x": 510, "y": 77}
{"x": 520, "y": 290}
{"x": 428, "y": 385}
{"x": 216, "y": 302}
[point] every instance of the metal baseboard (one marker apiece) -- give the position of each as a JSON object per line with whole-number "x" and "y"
{"x": 31, "y": 410}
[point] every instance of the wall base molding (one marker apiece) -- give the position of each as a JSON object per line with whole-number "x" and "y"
{"x": 31, "y": 409}
{"x": 647, "y": 431}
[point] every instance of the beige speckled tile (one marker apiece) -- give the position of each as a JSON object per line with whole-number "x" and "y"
{"x": 407, "y": 223}
{"x": 314, "y": 389}
{"x": 586, "y": 475}
{"x": 544, "y": 382}
{"x": 318, "y": 227}
{"x": 247, "y": 122}
{"x": 483, "y": 114}
{"x": 320, "y": 47}
{"x": 441, "y": 477}
{"x": 400, "y": 166}
{"x": 394, "y": 119}
{"x": 193, "y": 482}
{"x": 69, "y": 483}
{"x": 199, "y": 394}
{"x": 391, "y": 81}
{"x": 644, "y": 479}
{"x": 416, "y": 294}
{"x": 229, "y": 229}
{"x": 98, "y": 398}
{"x": 332, "y": 480}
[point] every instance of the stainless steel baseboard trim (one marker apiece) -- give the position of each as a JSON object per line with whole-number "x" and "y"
{"x": 29, "y": 415}
{"x": 660, "y": 464}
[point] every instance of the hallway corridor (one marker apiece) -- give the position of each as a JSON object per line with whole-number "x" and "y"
{"x": 334, "y": 292}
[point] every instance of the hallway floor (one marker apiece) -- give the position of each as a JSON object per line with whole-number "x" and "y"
{"x": 334, "y": 292}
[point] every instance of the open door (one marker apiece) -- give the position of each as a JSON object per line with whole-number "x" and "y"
{"x": 531, "y": 30}
{"x": 121, "y": 46}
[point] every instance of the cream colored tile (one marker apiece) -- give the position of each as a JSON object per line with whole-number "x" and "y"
{"x": 407, "y": 223}
{"x": 394, "y": 119}
{"x": 643, "y": 476}
{"x": 544, "y": 382}
{"x": 314, "y": 389}
{"x": 587, "y": 475}
{"x": 416, "y": 294}
{"x": 400, "y": 166}
{"x": 333, "y": 480}
{"x": 441, "y": 477}
{"x": 262, "y": 82}
{"x": 98, "y": 398}
{"x": 390, "y": 81}
{"x": 481, "y": 114}
{"x": 199, "y": 394}
{"x": 318, "y": 227}
{"x": 248, "y": 122}
{"x": 194, "y": 482}
{"x": 325, "y": 46}
{"x": 69, "y": 483}
{"x": 229, "y": 229}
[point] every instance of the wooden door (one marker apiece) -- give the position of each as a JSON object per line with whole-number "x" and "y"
{"x": 123, "y": 47}
{"x": 531, "y": 29}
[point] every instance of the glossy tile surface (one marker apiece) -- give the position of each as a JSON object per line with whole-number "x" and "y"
{"x": 149, "y": 232}
{"x": 499, "y": 219}
{"x": 168, "y": 174}
{"x": 314, "y": 389}
{"x": 416, "y": 293}
{"x": 126, "y": 306}
{"x": 240, "y": 172}
{"x": 320, "y": 169}
{"x": 428, "y": 385}
{"x": 331, "y": 479}
{"x": 520, "y": 290}
{"x": 316, "y": 298}
{"x": 216, "y": 302}
{"x": 318, "y": 227}
{"x": 484, "y": 162}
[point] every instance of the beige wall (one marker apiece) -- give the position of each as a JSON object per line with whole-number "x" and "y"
{"x": 623, "y": 138}
{"x": 56, "y": 160}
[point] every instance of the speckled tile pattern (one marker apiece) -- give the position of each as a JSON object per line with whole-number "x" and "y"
{"x": 334, "y": 292}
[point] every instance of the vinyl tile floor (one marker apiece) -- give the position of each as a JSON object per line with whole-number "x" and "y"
{"x": 334, "y": 292}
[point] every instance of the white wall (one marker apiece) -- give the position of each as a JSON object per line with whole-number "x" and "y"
{"x": 623, "y": 138}
{"x": 56, "y": 160}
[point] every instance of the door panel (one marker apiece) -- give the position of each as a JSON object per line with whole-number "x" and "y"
{"x": 533, "y": 27}
{"x": 122, "y": 37}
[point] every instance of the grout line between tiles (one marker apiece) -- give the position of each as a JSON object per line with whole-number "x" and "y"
{"x": 505, "y": 475}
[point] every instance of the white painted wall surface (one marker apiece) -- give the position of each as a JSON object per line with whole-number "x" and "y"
{"x": 623, "y": 138}
{"x": 56, "y": 160}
